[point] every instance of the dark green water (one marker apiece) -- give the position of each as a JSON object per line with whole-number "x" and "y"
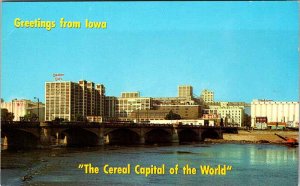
{"x": 252, "y": 164}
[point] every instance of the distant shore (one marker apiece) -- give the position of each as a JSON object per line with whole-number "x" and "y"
{"x": 256, "y": 136}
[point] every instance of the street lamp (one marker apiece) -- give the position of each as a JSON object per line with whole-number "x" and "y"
{"x": 38, "y": 107}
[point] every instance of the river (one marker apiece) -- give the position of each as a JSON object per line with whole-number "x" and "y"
{"x": 251, "y": 164}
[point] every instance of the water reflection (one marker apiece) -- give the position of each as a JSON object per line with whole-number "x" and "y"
{"x": 272, "y": 155}
{"x": 253, "y": 164}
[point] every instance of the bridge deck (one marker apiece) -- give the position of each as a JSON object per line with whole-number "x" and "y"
{"x": 103, "y": 125}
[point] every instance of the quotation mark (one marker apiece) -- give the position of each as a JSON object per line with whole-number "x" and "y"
{"x": 80, "y": 166}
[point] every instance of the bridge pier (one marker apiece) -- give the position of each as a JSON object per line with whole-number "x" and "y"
{"x": 101, "y": 139}
{"x": 200, "y": 136}
{"x": 175, "y": 137}
{"x": 142, "y": 137}
{"x": 45, "y": 136}
{"x": 142, "y": 140}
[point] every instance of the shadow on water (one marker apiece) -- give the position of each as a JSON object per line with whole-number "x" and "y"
{"x": 57, "y": 166}
{"x": 184, "y": 152}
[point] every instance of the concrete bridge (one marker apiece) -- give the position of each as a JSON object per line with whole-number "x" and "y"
{"x": 35, "y": 134}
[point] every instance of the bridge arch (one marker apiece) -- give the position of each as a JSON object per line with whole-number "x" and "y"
{"x": 19, "y": 139}
{"x": 122, "y": 136}
{"x": 158, "y": 136}
{"x": 188, "y": 135}
{"x": 79, "y": 137}
{"x": 211, "y": 133}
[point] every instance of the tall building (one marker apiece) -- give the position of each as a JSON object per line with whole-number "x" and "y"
{"x": 131, "y": 101}
{"x": 110, "y": 108}
{"x": 100, "y": 95}
{"x": 22, "y": 107}
{"x": 207, "y": 96}
{"x": 185, "y": 91}
{"x": 275, "y": 111}
{"x": 69, "y": 100}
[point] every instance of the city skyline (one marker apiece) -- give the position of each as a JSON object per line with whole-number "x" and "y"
{"x": 241, "y": 51}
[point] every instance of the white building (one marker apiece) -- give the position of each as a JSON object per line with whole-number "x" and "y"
{"x": 184, "y": 122}
{"x": 207, "y": 96}
{"x": 233, "y": 115}
{"x": 275, "y": 111}
{"x": 22, "y": 107}
{"x": 129, "y": 102}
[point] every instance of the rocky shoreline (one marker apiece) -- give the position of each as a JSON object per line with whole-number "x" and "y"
{"x": 216, "y": 141}
{"x": 256, "y": 137}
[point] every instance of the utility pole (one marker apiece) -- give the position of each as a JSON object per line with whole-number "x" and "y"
{"x": 38, "y": 107}
{"x": 12, "y": 107}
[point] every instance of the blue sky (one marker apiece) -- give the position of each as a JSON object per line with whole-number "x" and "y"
{"x": 240, "y": 50}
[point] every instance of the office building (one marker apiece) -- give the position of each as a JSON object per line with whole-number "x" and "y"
{"x": 185, "y": 91}
{"x": 173, "y": 101}
{"x": 110, "y": 108}
{"x": 185, "y": 111}
{"x": 207, "y": 96}
{"x": 131, "y": 101}
{"x": 160, "y": 112}
{"x": 147, "y": 115}
{"x": 231, "y": 115}
{"x": 70, "y": 101}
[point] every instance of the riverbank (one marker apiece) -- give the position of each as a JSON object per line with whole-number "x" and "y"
{"x": 256, "y": 136}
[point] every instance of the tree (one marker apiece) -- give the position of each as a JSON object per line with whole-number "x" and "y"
{"x": 172, "y": 116}
{"x": 4, "y": 114}
{"x": 80, "y": 117}
{"x": 7, "y": 116}
{"x": 57, "y": 119}
{"x": 30, "y": 117}
{"x": 222, "y": 122}
{"x": 247, "y": 120}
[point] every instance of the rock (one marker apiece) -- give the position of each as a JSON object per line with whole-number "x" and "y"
{"x": 26, "y": 178}
{"x": 263, "y": 141}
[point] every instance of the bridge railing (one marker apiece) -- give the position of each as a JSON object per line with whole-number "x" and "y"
{"x": 20, "y": 123}
{"x": 109, "y": 124}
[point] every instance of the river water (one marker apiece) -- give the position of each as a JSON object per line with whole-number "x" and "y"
{"x": 251, "y": 164}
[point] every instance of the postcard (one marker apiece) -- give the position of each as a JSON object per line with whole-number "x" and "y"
{"x": 150, "y": 93}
